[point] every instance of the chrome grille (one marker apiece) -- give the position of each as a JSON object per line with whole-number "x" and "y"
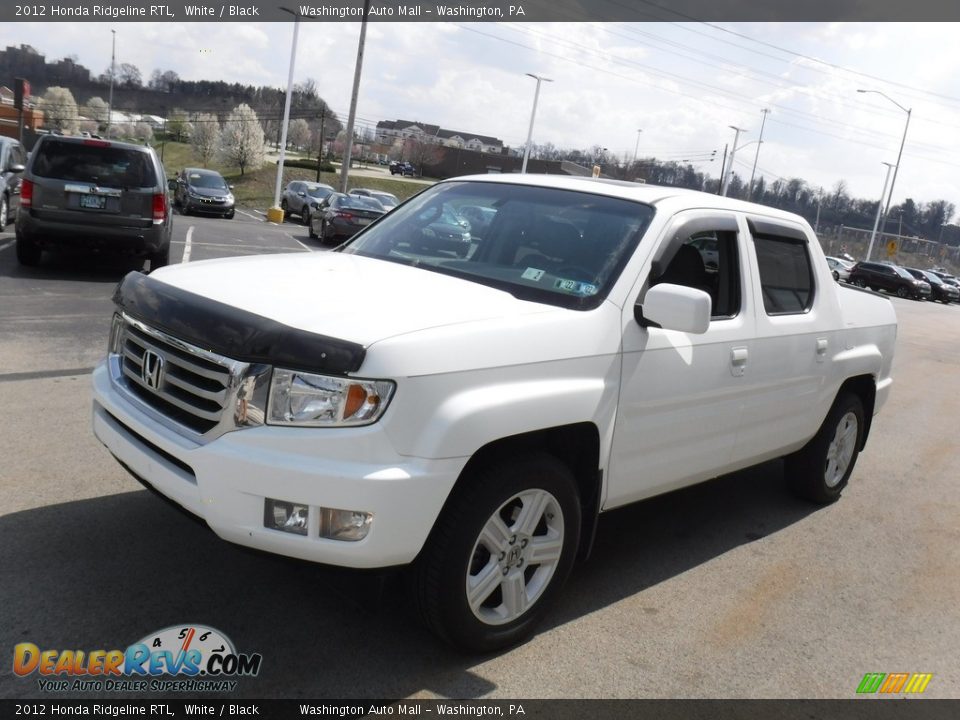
{"x": 192, "y": 389}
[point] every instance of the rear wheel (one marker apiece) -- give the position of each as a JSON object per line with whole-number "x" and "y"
{"x": 28, "y": 252}
{"x": 820, "y": 470}
{"x": 4, "y": 211}
{"x": 305, "y": 215}
{"x": 901, "y": 292}
{"x": 500, "y": 552}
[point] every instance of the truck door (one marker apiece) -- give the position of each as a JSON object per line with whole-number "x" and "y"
{"x": 792, "y": 349}
{"x": 680, "y": 405}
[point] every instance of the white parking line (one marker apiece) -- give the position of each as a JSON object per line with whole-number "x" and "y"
{"x": 303, "y": 245}
{"x": 260, "y": 219}
{"x": 244, "y": 246}
{"x": 6, "y": 245}
{"x": 187, "y": 246}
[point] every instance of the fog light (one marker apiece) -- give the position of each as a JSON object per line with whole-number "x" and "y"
{"x": 350, "y": 525}
{"x": 285, "y": 516}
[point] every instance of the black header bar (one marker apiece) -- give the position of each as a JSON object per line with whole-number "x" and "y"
{"x": 478, "y": 10}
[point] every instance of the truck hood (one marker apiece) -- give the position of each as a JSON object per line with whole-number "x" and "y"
{"x": 358, "y": 299}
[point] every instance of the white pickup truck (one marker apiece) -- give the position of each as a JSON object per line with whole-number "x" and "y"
{"x": 469, "y": 403}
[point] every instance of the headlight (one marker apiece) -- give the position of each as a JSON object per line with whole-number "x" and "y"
{"x": 194, "y": 195}
{"x": 308, "y": 400}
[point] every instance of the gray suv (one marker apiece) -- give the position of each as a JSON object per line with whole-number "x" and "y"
{"x": 95, "y": 194}
{"x": 12, "y": 162}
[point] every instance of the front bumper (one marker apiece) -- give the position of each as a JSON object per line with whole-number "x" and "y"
{"x": 226, "y": 481}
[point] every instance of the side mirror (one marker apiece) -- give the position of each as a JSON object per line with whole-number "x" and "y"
{"x": 171, "y": 184}
{"x": 674, "y": 307}
{"x": 301, "y": 194}
{"x": 230, "y": 187}
{"x": 16, "y": 168}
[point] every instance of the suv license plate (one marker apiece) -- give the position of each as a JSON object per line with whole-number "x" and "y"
{"x": 95, "y": 202}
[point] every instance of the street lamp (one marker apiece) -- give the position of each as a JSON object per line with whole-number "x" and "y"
{"x": 275, "y": 213}
{"x": 637, "y": 147}
{"x": 352, "y": 117}
{"x": 113, "y": 58}
{"x": 765, "y": 112}
{"x": 908, "y": 111}
{"x": 533, "y": 114}
{"x": 727, "y": 176}
{"x": 876, "y": 222}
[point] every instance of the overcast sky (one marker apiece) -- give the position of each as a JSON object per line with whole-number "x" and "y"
{"x": 682, "y": 84}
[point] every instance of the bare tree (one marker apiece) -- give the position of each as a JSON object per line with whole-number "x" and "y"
{"x": 143, "y": 131}
{"x": 205, "y": 137}
{"x": 241, "y": 140}
{"x": 129, "y": 75}
{"x": 59, "y": 109}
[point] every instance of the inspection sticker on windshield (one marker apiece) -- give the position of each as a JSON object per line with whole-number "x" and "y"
{"x": 576, "y": 287}
{"x": 532, "y": 274}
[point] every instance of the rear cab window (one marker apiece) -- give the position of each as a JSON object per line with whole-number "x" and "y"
{"x": 786, "y": 272}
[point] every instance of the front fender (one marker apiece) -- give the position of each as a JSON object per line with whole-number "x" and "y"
{"x": 456, "y": 415}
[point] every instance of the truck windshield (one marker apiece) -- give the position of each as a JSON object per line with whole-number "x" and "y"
{"x": 560, "y": 247}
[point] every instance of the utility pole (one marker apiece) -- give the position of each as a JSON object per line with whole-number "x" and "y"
{"x": 723, "y": 170}
{"x": 348, "y": 149}
{"x": 637, "y": 147}
{"x": 763, "y": 122}
{"x": 323, "y": 117}
{"x": 816, "y": 224}
{"x": 533, "y": 115}
{"x": 733, "y": 154}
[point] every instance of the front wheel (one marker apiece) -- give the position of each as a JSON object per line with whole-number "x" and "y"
{"x": 820, "y": 470}
{"x": 500, "y": 552}
{"x": 4, "y": 212}
{"x": 901, "y": 292}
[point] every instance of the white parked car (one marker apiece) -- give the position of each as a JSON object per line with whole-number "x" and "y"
{"x": 840, "y": 268}
{"x": 471, "y": 409}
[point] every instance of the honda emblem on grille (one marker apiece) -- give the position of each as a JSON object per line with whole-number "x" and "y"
{"x": 151, "y": 371}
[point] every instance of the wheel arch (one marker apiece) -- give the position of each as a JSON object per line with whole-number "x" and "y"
{"x": 576, "y": 445}
{"x": 865, "y": 388}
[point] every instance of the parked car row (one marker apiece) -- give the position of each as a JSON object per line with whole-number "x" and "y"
{"x": 905, "y": 282}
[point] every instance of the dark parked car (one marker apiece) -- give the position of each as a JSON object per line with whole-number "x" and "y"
{"x": 388, "y": 200}
{"x": 203, "y": 191}
{"x": 13, "y": 161}
{"x": 892, "y": 278}
{"x": 947, "y": 278}
{"x": 302, "y": 198}
{"x": 939, "y": 290}
{"x": 101, "y": 194}
{"x": 402, "y": 168}
{"x": 341, "y": 216}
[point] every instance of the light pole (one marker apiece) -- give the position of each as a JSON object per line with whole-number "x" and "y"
{"x": 763, "y": 122}
{"x": 637, "y": 147}
{"x": 533, "y": 115}
{"x": 733, "y": 152}
{"x": 275, "y": 213}
{"x": 909, "y": 112}
{"x": 876, "y": 223}
{"x": 113, "y": 58}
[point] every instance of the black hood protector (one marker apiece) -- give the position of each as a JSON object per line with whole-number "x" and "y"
{"x": 231, "y": 332}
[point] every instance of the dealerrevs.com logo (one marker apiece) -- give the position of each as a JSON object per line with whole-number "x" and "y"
{"x": 180, "y": 658}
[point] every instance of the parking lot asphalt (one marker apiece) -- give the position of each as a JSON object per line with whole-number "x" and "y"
{"x": 732, "y": 588}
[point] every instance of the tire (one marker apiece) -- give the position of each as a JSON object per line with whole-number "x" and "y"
{"x": 485, "y": 545}
{"x": 159, "y": 259}
{"x": 901, "y": 292}
{"x": 820, "y": 470}
{"x": 28, "y": 253}
{"x": 859, "y": 282}
{"x": 4, "y": 212}
{"x": 836, "y": 276}
{"x": 305, "y": 216}
{"x": 229, "y": 215}
{"x": 284, "y": 207}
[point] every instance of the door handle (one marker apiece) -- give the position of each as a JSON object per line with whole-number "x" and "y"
{"x": 738, "y": 361}
{"x": 821, "y": 349}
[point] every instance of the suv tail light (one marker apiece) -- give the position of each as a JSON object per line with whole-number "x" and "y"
{"x": 159, "y": 207}
{"x": 344, "y": 215}
{"x": 26, "y": 193}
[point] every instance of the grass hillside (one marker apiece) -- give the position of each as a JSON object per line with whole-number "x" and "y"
{"x": 255, "y": 188}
